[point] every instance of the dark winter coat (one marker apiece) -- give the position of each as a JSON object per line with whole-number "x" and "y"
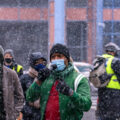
{"x": 109, "y": 103}
{"x": 13, "y": 94}
{"x": 26, "y": 80}
{"x": 29, "y": 112}
{"x": 71, "y": 108}
{"x": 109, "y": 98}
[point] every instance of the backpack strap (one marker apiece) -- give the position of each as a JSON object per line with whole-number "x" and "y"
{"x": 77, "y": 81}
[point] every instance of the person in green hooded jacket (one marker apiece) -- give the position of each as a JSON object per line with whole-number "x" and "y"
{"x": 64, "y": 93}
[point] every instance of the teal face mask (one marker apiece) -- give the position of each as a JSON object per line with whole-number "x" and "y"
{"x": 60, "y": 64}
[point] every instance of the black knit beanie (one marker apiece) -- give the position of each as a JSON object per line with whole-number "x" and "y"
{"x": 59, "y": 48}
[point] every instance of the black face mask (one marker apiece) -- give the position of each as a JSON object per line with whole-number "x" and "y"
{"x": 8, "y": 60}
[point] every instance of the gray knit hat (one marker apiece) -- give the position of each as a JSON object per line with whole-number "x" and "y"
{"x": 10, "y": 51}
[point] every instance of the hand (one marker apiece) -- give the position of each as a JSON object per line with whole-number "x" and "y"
{"x": 35, "y": 104}
{"x": 63, "y": 88}
{"x": 43, "y": 74}
{"x": 20, "y": 116}
{"x": 105, "y": 77}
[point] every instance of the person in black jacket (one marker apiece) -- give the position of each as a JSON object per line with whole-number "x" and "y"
{"x": 31, "y": 111}
{"x": 108, "y": 107}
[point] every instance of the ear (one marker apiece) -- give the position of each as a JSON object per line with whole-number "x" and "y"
{"x": 66, "y": 61}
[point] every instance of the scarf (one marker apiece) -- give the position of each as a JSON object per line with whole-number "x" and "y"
{"x": 32, "y": 72}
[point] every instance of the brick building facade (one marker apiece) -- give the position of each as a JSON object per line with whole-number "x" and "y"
{"x": 28, "y": 25}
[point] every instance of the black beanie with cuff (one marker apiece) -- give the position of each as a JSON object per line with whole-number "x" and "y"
{"x": 59, "y": 48}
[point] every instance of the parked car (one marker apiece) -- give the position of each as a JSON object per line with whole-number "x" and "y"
{"x": 85, "y": 68}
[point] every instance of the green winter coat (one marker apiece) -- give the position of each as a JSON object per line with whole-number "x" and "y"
{"x": 71, "y": 107}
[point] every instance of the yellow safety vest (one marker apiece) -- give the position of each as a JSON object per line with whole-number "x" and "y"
{"x": 114, "y": 83}
{"x": 19, "y": 67}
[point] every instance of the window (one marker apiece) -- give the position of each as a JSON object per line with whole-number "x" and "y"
{"x": 117, "y": 39}
{"x": 116, "y": 27}
{"x": 32, "y": 3}
{"x": 112, "y": 27}
{"x": 77, "y": 3}
{"x": 107, "y": 3}
{"x": 106, "y": 39}
{"x": 111, "y": 3}
{"x": 108, "y": 27}
{"x": 24, "y": 3}
{"x": 8, "y": 3}
{"x": 24, "y": 37}
{"x": 111, "y": 32}
{"x": 116, "y": 3}
{"x": 77, "y": 40}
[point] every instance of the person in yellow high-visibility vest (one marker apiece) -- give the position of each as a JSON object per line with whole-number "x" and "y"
{"x": 10, "y": 62}
{"x": 109, "y": 96}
